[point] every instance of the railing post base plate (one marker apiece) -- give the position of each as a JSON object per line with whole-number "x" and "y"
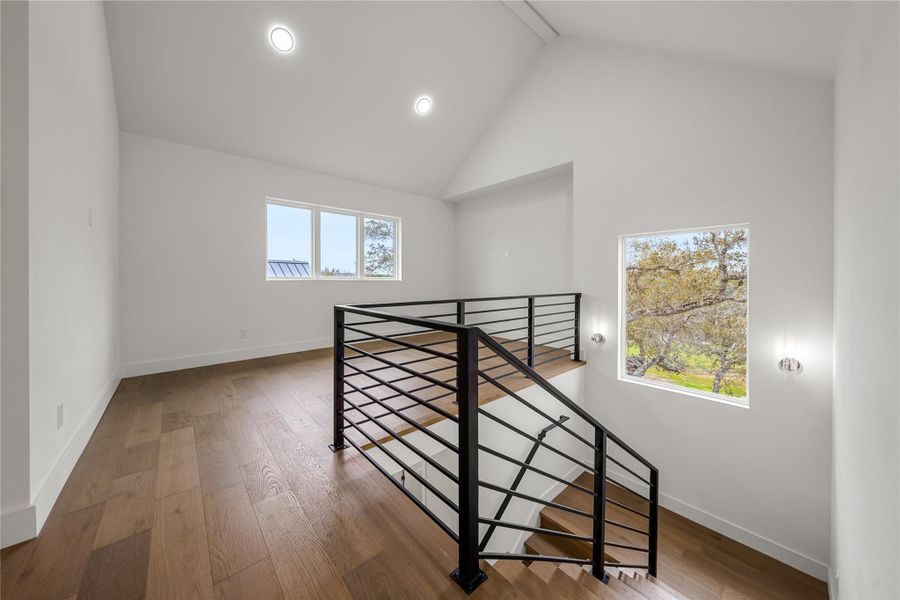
{"x": 470, "y": 586}
{"x": 334, "y": 448}
{"x": 602, "y": 575}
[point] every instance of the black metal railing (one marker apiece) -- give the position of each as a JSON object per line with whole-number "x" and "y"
{"x": 403, "y": 367}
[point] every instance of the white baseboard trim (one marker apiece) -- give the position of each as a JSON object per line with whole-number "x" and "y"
{"x": 17, "y": 525}
{"x": 760, "y": 543}
{"x": 832, "y": 585}
{"x": 163, "y": 365}
{"x": 52, "y": 486}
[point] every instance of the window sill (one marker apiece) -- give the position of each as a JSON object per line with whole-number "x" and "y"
{"x": 720, "y": 398}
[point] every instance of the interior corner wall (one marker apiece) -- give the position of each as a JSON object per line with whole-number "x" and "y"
{"x": 661, "y": 142}
{"x": 194, "y": 251}
{"x": 865, "y": 524}
{"x": 18, "y": 520}
{"x": 73, "y": 223}
{"x": 516, "y": 241}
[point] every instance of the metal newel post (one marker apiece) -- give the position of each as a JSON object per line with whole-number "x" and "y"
{"x": 469, "y": 574}
{"x": 531, "y": 331}
{"x": 461, "y": 312}
{"x": 338, "y": 395}
{"x": 597, "y": 557}
{"x": 654, "y": 521}
{"x": 577, "y": 333}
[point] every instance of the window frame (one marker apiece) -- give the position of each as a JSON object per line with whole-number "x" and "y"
{"x": 316, "y": 251}
{"x": 621, "y": 375}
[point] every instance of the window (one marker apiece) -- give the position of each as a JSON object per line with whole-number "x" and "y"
{"x": 683, "y": 311}
{"x": 307, "y": 241}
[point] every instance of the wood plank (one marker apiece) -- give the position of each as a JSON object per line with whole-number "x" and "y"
{"x": 130, "y": 509}
{"x": 176, "y": 420}
{"x": 177, "y": 470}
{"x": 137, "y": 458}
{"x": 263, "y": 479}
{"x": 57, "y": 564}
{"x": 179, "y": 556}
{"x": 233, "y": 535}
{"x": 118, "y": 571}
{"x": 303, "y": 566}
{"x": 218, "y": 467}
{"x": 146, "y": 425}
{"x": 91, "y": 480}
{"x": 256, "y": 582}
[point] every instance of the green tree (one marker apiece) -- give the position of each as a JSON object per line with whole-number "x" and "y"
{"x": 378, "y": 237}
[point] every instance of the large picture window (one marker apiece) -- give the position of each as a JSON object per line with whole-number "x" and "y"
{"x": 308, "y": 241}
{"x": 684, "y": 311}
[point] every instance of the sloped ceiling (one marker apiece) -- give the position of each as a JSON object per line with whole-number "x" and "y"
{"x": 204, "y": 74}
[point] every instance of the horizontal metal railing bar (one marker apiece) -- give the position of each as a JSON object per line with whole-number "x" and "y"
{"x": 554, "y": 304}
{"x": 417, "y": 426}
{"x": 496, "y": 321}
{"x": 625, "y": 506}
{"x": 551, "y": 314}
{"x": 530, "y": 437}
{"x": 628, "y": 527}
{"x": 402, "y": 408}
{"x": 537, "y": 335}
{"x": 444, "y": 527}
{"x": 547, "y": 386}
{"x": 626, "y": 547}
{"x": 374, "y": 336}
{"x": 492, "y": 310}
{"x": 616, "y": 462}
{"x": 537, "y": 470}
{"x": 454, "y": 300}
{"x": 405, "y": 378}
{"x": 625, "y": 488}
{"x": 550, "y": 503}
{"x": 534, "y": 408}
{"x": 421, "y": 401}
{"x": 415, "y": 321}
{"x": 440, "y": 316}
{"x": 410, "y": 345}
{"x": 552, "y": 349}
{"x": 443, "y": 470}
{"x": 550, "y": 360}
{"x": 404, "y": 363}
{"x": 567, "y": 337}
{"x": 400, "y": 367}
{"x": 562, "y": 534}
{"x": 553, "y": 322}
{"x": 403, "y": 348}
{"x": 624, "y": 566}
{"x": 507, "y": 330}
{"x": 537, "y": 557}
{"x": 406, "y": 392}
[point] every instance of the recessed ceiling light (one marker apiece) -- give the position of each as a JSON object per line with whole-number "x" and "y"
{"x": 281, "y": 39}
{"x": 423, "y": 105}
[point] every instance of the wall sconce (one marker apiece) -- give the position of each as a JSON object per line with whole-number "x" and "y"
{"x": 790, "y": 365}
{"x": 599, "y": 338}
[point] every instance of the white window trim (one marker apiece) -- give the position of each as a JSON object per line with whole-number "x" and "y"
{"x": 623, "y": 339}
{"x": 315, "y": 250}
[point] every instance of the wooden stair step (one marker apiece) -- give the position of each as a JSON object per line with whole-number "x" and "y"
{"x": 583, "y": 577}
{"x": 650, "y": 590}
{"x": 678, "y": 595}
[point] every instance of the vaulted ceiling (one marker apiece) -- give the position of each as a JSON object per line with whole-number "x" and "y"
{"x": 205, "y": 74}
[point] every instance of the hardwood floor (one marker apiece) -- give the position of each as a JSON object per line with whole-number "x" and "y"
{"x": 217, "y": 482}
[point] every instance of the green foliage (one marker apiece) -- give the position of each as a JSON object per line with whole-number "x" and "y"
{"x": 686, "y": 309}
{"x": 379, "y": 237}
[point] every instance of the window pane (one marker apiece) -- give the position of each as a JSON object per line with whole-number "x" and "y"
{"x": 685, "y": 310}
{"x": 337, "y": 241}
{"x": 289, "y": 246}
{"x": 379, "y": 243}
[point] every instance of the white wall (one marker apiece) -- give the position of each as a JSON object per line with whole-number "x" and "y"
{"x": 660, "y": 142}
{"x": 18, "y": 520}
{"x": 73, "y": 315}
{"x": 516, "y": 241}
{"x": 865, "y": 527}
{"x": 193, "y": 256}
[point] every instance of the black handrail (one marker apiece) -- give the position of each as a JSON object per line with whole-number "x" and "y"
{"x": 466, "y": 342}
{"x": 518, "y": 480}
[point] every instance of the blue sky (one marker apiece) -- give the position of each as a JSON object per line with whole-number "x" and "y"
{"x": 289, "y": 236}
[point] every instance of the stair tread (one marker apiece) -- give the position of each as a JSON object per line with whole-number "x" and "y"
{"x": 672, "y": 591}
{"x": 603, "y": 590}
{"x": 649, "y": 589}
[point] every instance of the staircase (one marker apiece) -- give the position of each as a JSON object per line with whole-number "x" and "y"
{"x": 414, "y": 376}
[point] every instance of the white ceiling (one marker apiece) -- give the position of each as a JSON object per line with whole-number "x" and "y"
{"x": 203, "y": 73}
{"x": 792, "y": 36}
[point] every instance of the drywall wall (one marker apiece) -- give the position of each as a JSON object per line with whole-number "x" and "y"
{"x": 194, "y": 250}
{"x": 18, "y": 519}
{"x": 660, "y": 142}
{"x": 865, "y": 527}
{"x": 73, "y": 237}
{"x": 516, "y": 241}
